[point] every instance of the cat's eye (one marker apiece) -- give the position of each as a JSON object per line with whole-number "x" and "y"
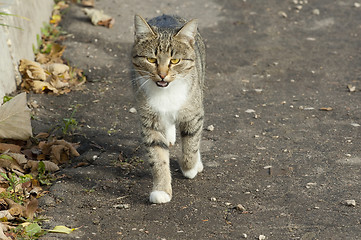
{"x": 174, "y": 60}
{"x": 152, "y": 60}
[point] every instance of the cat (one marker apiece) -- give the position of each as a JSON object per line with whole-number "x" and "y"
{"x": 168, "y": 59}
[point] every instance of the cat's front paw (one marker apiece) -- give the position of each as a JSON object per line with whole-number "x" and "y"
{"x": 159, "y": 197}
{"x": 192, "y": 173}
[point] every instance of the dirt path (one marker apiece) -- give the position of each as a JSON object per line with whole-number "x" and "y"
{"x": 271, "y": 67}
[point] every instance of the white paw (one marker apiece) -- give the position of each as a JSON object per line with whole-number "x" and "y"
{"x": 192, "y": 173}
{"x": 159, "y": 197}
{"x": 171, "y": 134}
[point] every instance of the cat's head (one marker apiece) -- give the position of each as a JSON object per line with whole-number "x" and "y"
{"x": 163, "y": 54}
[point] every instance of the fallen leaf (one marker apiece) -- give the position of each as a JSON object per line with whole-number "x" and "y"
{"x": 87, "y": 3}
{"x": 34, "y": 166}
{"x": 32, "y": 70}
{"x": 62, "y": 229}
{"x": 5, "y": 216}
{"x": 41, "y": 86}
{"x": 98, "y": 17}
{"x": 32, "y": 229}
{"x": 60, "y": 151}
{"x": 31, "y": 207}
{"x": 15, "y": 209}
{"x": 56, "y": 68}
{"x": 19, "y": 158}
{"x": 42, "y": 135}
{"x": 15, "y": 119}
{"x": 9, "y": 147}
{"x": 55, "y": 19}
{"x": 9, "y": 163}
{"x": 2, "y": 229}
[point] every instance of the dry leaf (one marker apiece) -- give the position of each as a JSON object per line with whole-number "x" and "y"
{"x": 97, "y": 17}
{"x": 42, "y": 58}
{"x": 9, "y": 147}
{"x": 62, "y": 229}
{"x": 3, "y": 228}
{"x": 56, "y": 68}
{"x": 42, "y": 135}
{"x": 34, "y": 166}
{"x": 40, "y": 87}
{"x": 19, "y": 158}
{"x": 5, "y": 215}
{"x": 15, "y": 119}
{"x": 32, "y": 70}
{"x": 9, "y": 163}
{"x": 57, "y": 83}
{"x": 87, "y": 3}
{"x": 31, "y": 207}
{"x": 59, "y": 150}
{"x": 56, "y": 52}
{"x": 15, "y": 209}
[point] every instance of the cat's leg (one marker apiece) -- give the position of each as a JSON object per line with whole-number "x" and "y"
{"x": 159, "y": 162}
{"x": 191, "y": 163}
{"x": 170, "y": 133}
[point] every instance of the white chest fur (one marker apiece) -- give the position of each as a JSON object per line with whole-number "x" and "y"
{"x": 167, "y": 100}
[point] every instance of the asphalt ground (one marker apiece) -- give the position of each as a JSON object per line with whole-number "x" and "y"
{"x": 283, "y": 97}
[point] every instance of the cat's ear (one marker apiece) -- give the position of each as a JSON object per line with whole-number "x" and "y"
{"x": 189, "y": 30}
{"x": 141, "y": 26}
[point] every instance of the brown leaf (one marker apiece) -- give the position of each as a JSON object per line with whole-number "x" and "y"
{"x": 87, "y": 3}
{"x": 43, "y": 87}
{"x": 31, "y": 207}
{"x": 107, "y": 23}
{"x": 3, "y": 228}
{"x": 98, "y": 17}
{"x": 15, "y": 209}
{"x": 19, "y": 158}
{"x": 60, "y": 151}
{"x": 34, "y": 166}
{"x": 42, "y": 135}
{"x": 42, "y": 58}
{"x": 57, "y": 51}
{"x": 9, "y": 163}
{"x": 11, "y": 147}
{"x": 59, "y": 154}
{"x": 32, "y": 70}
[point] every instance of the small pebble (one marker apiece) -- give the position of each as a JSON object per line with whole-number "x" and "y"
{"x": 357, "y": 5}
{"x": 240, "y": 208}
{"x": 244, "y": 235}
{"x": 210, "y": 128}
{"x": 261, "y": 237}
{"x": 213, "y": 199}
{"x": 122, "y": 206}
{"x": 351, "y": 203}
{"x": 250, "y": 111}
{"x": 133, "y": 110}
{"x": 316, "y": 11}
{"x": 282, "y": 14}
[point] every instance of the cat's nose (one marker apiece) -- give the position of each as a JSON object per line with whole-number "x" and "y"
{"x": 162, "y": 75}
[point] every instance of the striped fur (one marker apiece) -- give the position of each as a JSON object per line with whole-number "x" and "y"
{"x": 168, "y": 59}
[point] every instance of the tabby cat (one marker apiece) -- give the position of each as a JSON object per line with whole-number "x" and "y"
{"x": 168, "y": 59}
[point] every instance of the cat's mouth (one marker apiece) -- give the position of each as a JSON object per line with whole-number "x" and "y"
{"x": 162, "y": 84}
